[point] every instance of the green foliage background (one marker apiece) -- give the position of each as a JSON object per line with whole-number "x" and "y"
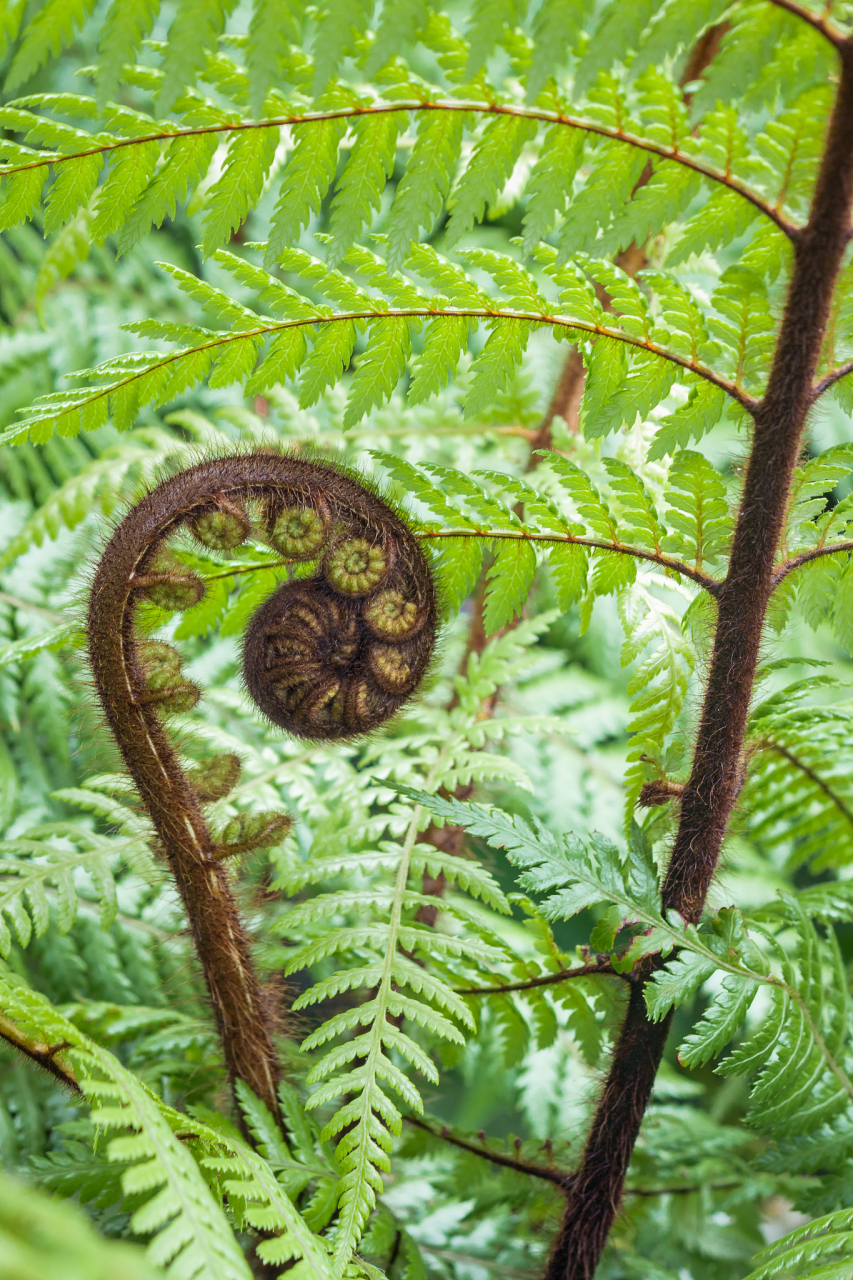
{"x": 427, "y": 272}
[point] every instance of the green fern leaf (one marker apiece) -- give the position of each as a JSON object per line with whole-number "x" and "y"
{"x": 555, "y": 30}
{"x": 486, "y": 27}
{"x": 380, "y": 368}
{"x": 552, "y": 175}
{"x": 195, "y": 30}
{"x": 247, "y": 164}
{"x": 330, "y": 355}
{"x": 617, "y": 170}
{"x": 340, "y": 23}
{"x": 21, "y": 196}
{"x": 569, "y": 565}
{"x": 424, "y": 186}
{"x": 124, "y": 28}
{"x": 494, "y": 367}
{"x": 677, "y": 983}
{"x": 446, "y": 339}
{"x": 72, "y": 187}
{"x": 274, "y": 26}
{"x": 281, "y": 361}
{"x": 697, "y": 510}
{"x": 723, "y": 217}
{"x": 720, "y": 1023}
{"x": 185, "y": 164}
{"x": 510, "y": 579}
{"x": 129, "y": 174}
{"x": 489, "y": 168}
{"x": 607, "y": 366}
{"x": 618, "y": 31}
{"x": 676, "y": 28}
{"x": 585, "y": 498}
{"x": 699, "y": 414}
{"x": 400, "y": 23}
{"x": 307, "y": 178}
{"x": 358, "y": 191}
{"x": 190, "y": 1229}
{"x": 51, "y": 28}
{"x": 669, "y": 191}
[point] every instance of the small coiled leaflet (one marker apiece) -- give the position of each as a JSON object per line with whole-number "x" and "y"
{"x": 326, "y": 657}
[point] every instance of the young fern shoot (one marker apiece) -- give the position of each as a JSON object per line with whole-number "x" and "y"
{"x": 329, "y": 656}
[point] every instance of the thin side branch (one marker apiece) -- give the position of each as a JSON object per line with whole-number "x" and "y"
{"x": 712, "y": 585}
{"x": 42, "y": 1054}
{"x": 559, "y": 1177}
{"x": 835, "y": 37}
{"x": 834, "y": 375}
{"x": 686, "y": 1190}
{"x": 816, "y": 553}
{"x": 843, "y": 809}
{"x": 547, "y": 980}
{"x": 789, "y": 228}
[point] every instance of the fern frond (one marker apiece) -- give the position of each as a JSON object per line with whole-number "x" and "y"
{"x": 798, "y": 795}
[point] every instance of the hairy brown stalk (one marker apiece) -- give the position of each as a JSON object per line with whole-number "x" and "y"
{"x": 326, "y": 657}
{"x": 717, "y": 770}
{"x": 42, "y": 1054}
{"x": 468, "y": 108}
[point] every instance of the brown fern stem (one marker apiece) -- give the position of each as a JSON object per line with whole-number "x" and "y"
{"x": 717, "y": 771}
{"x": 49, "y": 1057}
{"x": 326, "y": 657}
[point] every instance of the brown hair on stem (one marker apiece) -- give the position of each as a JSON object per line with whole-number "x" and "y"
{"x": 717, "y": 771}
{"x": 326, "y": 657}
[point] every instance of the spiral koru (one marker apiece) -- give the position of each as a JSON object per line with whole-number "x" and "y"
{"x": 336, "y": 654}
{"x": 327, "y": 656}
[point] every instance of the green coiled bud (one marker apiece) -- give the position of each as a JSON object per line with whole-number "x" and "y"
{"x": 354, "y": 567}
{"x": 161, "y": 664}
{"x": 164, "y": 683}
{"x": 212, "y": 779}
{"x": 391, "y": 614}
{"x": 169, "y": 584}
{"x": 223, "y": 528}
{"x": 299, "y": 533}
{"x": 390, "y": 668}
{"x": 250, "y": 831}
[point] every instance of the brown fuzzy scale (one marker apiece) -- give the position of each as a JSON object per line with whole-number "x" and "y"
{"x": 717, "y": 772}
{"x": 306, "y": 662}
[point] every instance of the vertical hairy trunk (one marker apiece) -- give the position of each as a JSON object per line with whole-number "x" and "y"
{"x": 717, "y": 770}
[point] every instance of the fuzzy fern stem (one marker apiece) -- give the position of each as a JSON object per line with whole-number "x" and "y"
{"x": 327, "y": 657}
{"x": 717, "y": 771}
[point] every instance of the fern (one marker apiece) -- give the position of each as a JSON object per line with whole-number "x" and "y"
{"x": 529, "y": 264}
{"x": 798, "y": 785}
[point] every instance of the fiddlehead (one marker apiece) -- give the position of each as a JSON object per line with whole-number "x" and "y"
{"x": 328, "y": 656}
